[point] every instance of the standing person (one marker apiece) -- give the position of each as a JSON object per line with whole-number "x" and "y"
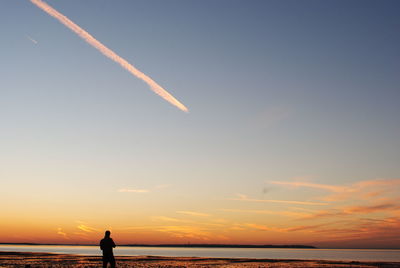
{"x": 107, "y": 245}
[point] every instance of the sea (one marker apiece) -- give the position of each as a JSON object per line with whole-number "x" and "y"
{"x": 389, "y": 255}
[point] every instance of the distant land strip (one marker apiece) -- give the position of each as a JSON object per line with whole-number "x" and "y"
{"x": 174, "y": 245}
{"x": 220, "y": 246}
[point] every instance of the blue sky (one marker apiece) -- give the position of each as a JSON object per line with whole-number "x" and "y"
{"x": 277, "y": 90}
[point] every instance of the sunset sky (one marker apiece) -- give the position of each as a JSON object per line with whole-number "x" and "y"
{"x": 292, "y": 134}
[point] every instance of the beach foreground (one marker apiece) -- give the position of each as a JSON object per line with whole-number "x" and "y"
{"x": 36, "y": 260}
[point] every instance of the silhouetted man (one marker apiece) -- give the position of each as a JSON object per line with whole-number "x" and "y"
{"x": 107, "y": 245}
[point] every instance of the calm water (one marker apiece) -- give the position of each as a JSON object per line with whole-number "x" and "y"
{"x": 267, "y": 253}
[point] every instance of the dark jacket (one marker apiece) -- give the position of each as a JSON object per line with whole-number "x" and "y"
{"x": 107, "y": 245}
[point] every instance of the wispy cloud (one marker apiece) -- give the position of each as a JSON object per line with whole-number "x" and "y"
{"x": 186, "y": 231}
{"x": 242, "y": 197}
{"x": 267, "y": 212}
{"x": 156, "y": 188}
{"x": 362, "y": 232}
{"x": 331, "y": 188}
{"x": 63, "y": 234}
{"x": 193, "y": 213}
{"x": 262, "y": 227}
{"x": 140, "y": 191}
{"x": 361, "y": 190}
{"x": 259, "y": 227}
{"x": 353, "y": 210}
{"x": 371, "y": 208}
{"x": 304, "y": 228}
{"x": 87, "y": 229}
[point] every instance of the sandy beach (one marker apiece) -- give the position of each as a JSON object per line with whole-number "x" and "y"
{"x": 36, "y": 260}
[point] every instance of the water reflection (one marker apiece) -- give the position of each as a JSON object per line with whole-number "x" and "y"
{"x": 264, "y": 253}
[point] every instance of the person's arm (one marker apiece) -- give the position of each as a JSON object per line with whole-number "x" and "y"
{"x": 101, "y": 244}
{"x": 112, "y": 243}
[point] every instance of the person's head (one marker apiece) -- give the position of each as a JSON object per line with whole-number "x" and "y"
{"x": 107, "y": 234}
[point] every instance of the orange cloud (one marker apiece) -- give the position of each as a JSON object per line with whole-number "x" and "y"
{"x": 360, "y": 190}
{"x": 87, "y": 229}
{"x": 61, "y": 233}
{"x": 371, "y": 209}
{"x": 259, "y": 227}
{"x": 304, "y": 228}
{"x": 331, "y": 188}
{"x": 182, "y": 231}
{"x": 352, "y": 210}
{"x": 193, "y": 213}
{"x": 363, "y": 233}
{"x": 243, "y": 197}
{"x": 268, "y": 212}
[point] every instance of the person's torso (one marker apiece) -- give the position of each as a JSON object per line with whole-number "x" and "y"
{"x": 107, "y": 244}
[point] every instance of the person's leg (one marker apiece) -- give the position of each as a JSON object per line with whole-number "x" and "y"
{"x": 112, "y": 262}
{"x": 105, "y": 261}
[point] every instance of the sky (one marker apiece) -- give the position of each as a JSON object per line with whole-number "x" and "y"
{"x": 292, "y": 134}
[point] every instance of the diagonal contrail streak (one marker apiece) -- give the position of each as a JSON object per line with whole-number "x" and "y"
{"x": 32, "y": 40}
{"x": 109, "y": 53}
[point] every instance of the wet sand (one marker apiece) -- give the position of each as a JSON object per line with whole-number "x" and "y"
{"x": 36, "y": 260}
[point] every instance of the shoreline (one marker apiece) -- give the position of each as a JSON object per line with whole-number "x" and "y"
{"x": 175, "y": 245}
{"x": 36, "y": 260}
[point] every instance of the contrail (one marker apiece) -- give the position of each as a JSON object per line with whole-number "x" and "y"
{"x": 109, "y": 53}
{"x": 33, "y": 40}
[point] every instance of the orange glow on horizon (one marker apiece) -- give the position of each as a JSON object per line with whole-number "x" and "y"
{"x": 371, "y": 211}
